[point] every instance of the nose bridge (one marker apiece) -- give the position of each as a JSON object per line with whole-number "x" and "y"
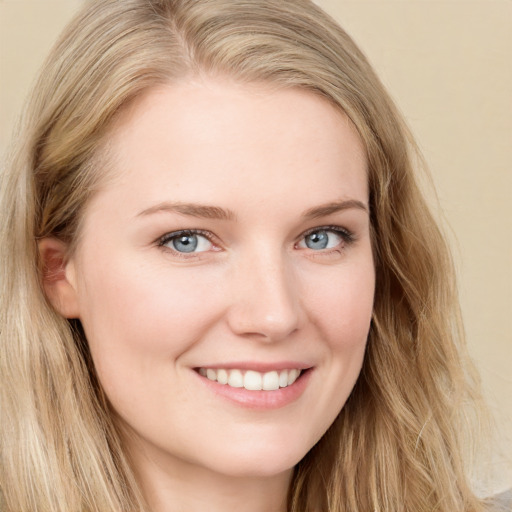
{"x": 265, "y": 300}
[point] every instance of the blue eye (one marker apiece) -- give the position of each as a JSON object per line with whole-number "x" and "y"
{"x": 321, "y": 239}
{"x": 186, "y": 242}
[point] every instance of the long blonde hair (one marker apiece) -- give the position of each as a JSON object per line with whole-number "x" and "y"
{"x": 398, "y": 444}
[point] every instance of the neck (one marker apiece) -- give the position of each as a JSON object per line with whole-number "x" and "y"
{"x": 175, "y": 485}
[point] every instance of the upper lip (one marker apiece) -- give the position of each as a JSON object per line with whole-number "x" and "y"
{"x": 261, "y": 367}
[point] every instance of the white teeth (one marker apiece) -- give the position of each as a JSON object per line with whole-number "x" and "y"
{"x": 222, "y": 376}
{"x": 236, "y": 379}
{"x": 252, "y": 380}
{"x": 292, "y": 376}
{"x": 283, "y": 379}
{"x": 270, "y": 381}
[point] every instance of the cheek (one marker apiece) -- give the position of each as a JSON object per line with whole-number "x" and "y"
{"x": 342, "y": 308}
{"x": 134, "y": 314}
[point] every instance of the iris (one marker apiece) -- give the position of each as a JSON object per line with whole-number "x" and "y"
{"x": 317, "y": 240}
{"x": 185, "y": 243}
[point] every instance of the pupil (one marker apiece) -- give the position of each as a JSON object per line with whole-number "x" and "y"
{"x": 317, "y": 240}
{"x": 185, "y": 243}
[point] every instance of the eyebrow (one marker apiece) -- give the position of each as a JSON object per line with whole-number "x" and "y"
{"x": 192, "y": 209}
{"x": 334, "y": 207}
{"x": 215, "y": 212}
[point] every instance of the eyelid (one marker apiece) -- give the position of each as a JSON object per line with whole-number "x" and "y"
{"x": 346, "y": 239}
{"x": 346, "y": 234}
{"x": 180, "y": 232}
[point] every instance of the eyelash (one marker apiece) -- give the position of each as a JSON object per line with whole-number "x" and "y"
{"x": 347, "y": 237}
{"x": 184, "y": 232}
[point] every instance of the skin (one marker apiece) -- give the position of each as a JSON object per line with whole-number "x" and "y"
{"x": 255, "y": 293}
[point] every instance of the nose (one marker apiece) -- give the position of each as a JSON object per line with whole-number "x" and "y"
{"x": 264, "y": 304}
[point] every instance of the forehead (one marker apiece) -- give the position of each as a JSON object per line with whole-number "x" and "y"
{"x": 197, "y": 138}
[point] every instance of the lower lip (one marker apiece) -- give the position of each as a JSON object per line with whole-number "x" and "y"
{"x": 274, "y": 399}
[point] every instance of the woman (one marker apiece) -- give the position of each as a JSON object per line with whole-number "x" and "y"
{"x": 224, "y": 286}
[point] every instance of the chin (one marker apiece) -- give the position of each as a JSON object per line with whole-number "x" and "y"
{"x": 261, "y": 462}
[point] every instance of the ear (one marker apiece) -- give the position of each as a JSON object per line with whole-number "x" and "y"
{"x": 59, "y": 277}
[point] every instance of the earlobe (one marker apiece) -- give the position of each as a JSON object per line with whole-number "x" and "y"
{"x": 58, "y": 277}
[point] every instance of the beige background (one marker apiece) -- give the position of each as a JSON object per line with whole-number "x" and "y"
{"x": 448, "y": 64}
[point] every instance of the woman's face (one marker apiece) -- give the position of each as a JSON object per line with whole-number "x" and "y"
{"x": 231, "y": 244}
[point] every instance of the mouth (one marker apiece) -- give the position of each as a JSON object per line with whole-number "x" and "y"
{"x": 257, "y": 386}
{"x": 252, "y": 380}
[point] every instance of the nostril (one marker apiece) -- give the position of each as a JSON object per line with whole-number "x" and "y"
{"x": 265, "y": 303}
{"x": 253, "y": 322}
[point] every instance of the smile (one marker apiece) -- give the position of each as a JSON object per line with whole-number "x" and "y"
{"x": 252, "y": 380}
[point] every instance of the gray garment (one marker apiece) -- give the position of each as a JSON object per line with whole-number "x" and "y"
{"x": 502, "y": 502}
